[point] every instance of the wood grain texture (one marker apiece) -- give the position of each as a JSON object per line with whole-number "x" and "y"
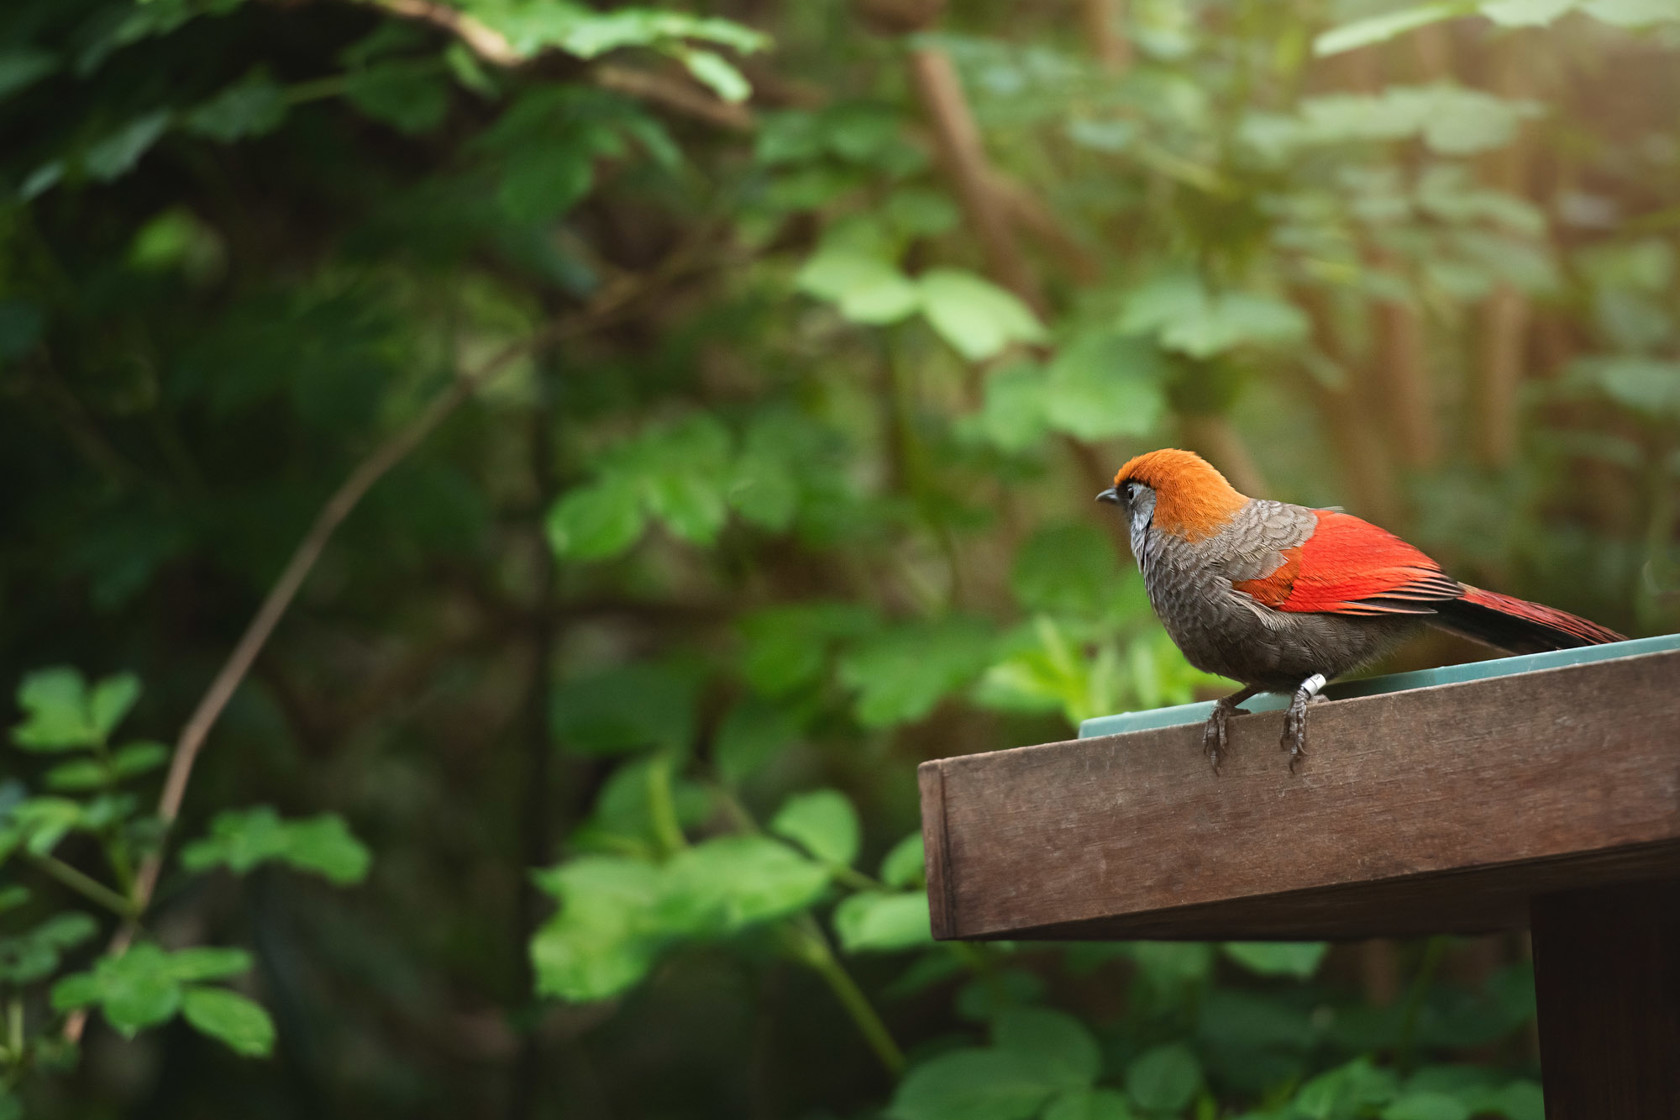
{"x": 1437, "y": 810}
{"x": 1607, "y": 973}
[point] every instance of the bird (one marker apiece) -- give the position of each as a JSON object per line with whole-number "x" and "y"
{"x": 1284, "y": 598}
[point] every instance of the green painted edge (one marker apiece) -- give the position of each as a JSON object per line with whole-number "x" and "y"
{"x": 1395, "y": 682}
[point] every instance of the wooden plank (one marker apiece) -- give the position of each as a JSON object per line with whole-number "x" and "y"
{"x": 1440, "y": 809}
{"x": 1607, "y": 973}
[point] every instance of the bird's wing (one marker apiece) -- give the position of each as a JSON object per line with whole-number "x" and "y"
{"x": 1348, "y": 566}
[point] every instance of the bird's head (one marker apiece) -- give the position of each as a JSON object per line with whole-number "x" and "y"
{"x": 1173, "y": 491}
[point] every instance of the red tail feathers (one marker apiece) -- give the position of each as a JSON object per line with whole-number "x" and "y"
{"x": 1518, "y": 625}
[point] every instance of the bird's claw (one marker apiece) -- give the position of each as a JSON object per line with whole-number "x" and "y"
{"x": 1216, "y": 735}
{"x": 1295, "y": 734}
{"x": 1295, "y": 720}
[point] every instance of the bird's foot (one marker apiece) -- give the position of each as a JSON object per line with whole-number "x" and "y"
{"x": 1295, "y": 720}
{"x": 1214, "y": 734}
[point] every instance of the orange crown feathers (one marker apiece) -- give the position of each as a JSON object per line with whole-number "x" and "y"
{"x": 1192, "y": 499}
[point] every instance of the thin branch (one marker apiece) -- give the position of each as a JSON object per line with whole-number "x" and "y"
{"x": 679, "y": 96}
{"x": 484, "y": 40}
{"x": 1030, "y": 214}
{"x": 303, "y": 560}
{"x": 611, "y": 306}
{"x": 85, "y": 885}
{"x": 808, "y": 945}
{"x": 964, "y": 157}
{"x": 1103, "y": 20}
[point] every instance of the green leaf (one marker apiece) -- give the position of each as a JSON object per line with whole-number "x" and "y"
{"x": 1525, "y": 13}
{"x": 629, "y": 708}
{"x": 714, "y": 71}
{"x": 920, "y": 212}
{"x": 80, "y": 774}
{"x": 866, "y": 288}
{"x": 764, "y": 484}
{"x": 1450, "y": 119}
{"x": 137, "y": 758}
{"x": 978, "y": 318}
{"x": 901, "y": 674}
{"x": 732, "y": 882}
{"x": 325, "y": 845}
{"x": 606, "y": 935}
{"x": 985, "y": 998}
{"x": 904, "y": 865}
{"x": 65, "y": 931}
{"x": 1164, "y": 1079}
{"x": 1059, "y": 1045}
{"x": 972, "y": 1085}
{"x": 1345, "y": 1091}
{"x": 39, "y": 823}
{"x": 626, "y": 809}
{"x": 408, "y": 96}
{"x": 1103, "y": 384}
{"x": 55, "y": 702}
{"x": 1520, "y": 1100}
{"x": 242, "y": 839}
{"x": 76, "y": 990}
{"x": 466, "y": 69}
{"x": 787, "y": 647}
{"x": 1633, "y": 13}
{"x": 823, "y": 823}
{"x": 136, "y": 990}
{"x": 580, "y": 31}
{"x": 1015, "y": 414}
{"x": 253, "y": 106}
{"x": 208, "y": 963}
{"x": 545, "y": 180}
{"x": 232, "y": 1019}
{"x": 177, "y": 240}
{"x": 596, "y": 522}
{"x": 1169, "y": 966}
{"x": 1073, "y": 570}
{"x": 35, "y": 955}
{"x": 1299, "y": 959}
{"x": 22, "y": 67}
{"x": 1646, "y": 385}
{"x": 1089, "y": 1104}
{"x": 1190, "y": 319}
{"x": 692, "y": 506}
{"x": 872, "y": 921}
{"x": 12, "y": 897}
{"x": 752, "y": 734}
{"x": 118, "y": 153}
{"x": 1378, "y": 29}
{"x": 1427, "y": 1106}
{"x": 112, "y": 699}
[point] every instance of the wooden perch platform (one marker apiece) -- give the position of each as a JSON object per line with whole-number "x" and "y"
{"x": 1539, "y": 791}
{"x": 1440, "y": 809}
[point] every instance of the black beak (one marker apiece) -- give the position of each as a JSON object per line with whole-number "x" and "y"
{"x": 1109, "y": 495}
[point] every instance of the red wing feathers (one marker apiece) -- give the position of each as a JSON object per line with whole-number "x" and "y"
{"x": 1349, "y": 566}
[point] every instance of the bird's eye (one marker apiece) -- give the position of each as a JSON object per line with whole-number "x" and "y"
{"x": 1129, "y": 489}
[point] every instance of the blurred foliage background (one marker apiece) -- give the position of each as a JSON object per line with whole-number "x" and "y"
{"x": 690, "y": 418}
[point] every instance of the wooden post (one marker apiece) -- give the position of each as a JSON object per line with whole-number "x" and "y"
{"x": 1607, "y": 973}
